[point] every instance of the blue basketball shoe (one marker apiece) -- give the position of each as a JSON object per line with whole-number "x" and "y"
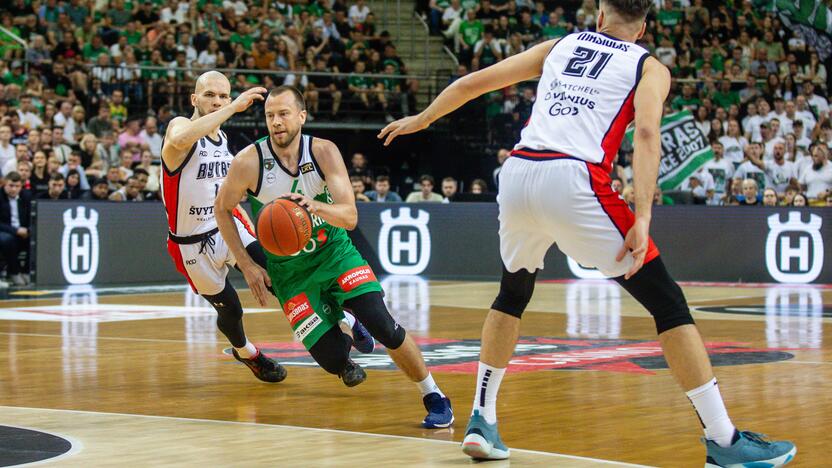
{"x": 361, "y": 338}
{"x": 482, "y": 441}
{"x": 440, "y": 413}
{"x": 749, "y": 450}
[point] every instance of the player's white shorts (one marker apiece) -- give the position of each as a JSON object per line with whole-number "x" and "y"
{"x": 205, "y": 263}
{"x": 565, "y": 201}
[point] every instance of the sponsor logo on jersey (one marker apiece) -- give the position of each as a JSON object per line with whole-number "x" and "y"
{"x": 306, "y": 167}
{"x": 268, "y": 163}
{"x": 271, "y": 178}
{"x": 356, "y": 277}
{"x": 537, "y": 353}
{"x": 307, "y": 327}
{"x": 209, "y": 170}
{"x": 297, "y": 309}
{"x": 201, "y": 210}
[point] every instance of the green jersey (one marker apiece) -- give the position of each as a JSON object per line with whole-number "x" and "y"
{"x": 275, "y": 180}
{"x": 313, "y": 284}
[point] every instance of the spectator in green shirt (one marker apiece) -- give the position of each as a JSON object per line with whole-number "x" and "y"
{"x": 555, "y": 27}
{"x": 133, "y": 36}
{"x": 242, "y": 36}
{"x": 470, "y": 31}
{"x": 668, "y": 15}
{"x": 362, "y": 87}
{"x": 92, "y": 50}
{"x": 725, "y": 96}
{"x": 773, "y": 48}
{"x": 686, "y": 100}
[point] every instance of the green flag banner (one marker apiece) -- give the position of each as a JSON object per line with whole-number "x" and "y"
{"x": 684, "y": 149}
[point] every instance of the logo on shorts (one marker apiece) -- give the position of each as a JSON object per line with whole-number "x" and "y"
{"x": 307, "y": 327}
{"x": 404, "y": 242}
{"x": 297, "y": 309}
{"x": 79, "y": 246}
{"x": 356, "y": 277}
{"x": 794, "y": 249}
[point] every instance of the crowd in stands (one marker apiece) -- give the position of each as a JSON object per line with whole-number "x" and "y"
{"x": 82, "y": 51}
{"x": 758, "y": 91}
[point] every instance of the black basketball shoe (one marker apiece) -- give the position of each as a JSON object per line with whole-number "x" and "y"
{"x": 265, "y": 369}
{"x": 353, "y": 374}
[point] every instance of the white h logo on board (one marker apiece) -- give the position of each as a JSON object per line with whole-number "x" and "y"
{"x": 79, "y": 246}
{"x": 799, "y": 243}
{"x": 404, "y": 242}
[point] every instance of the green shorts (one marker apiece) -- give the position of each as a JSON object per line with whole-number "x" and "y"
{"x": 312, "y": 290}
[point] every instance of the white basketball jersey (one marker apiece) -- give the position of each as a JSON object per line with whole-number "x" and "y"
{"x": 584, "y": 99}
{"x": 189, "y": 191}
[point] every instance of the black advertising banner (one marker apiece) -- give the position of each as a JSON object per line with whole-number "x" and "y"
{"x": 123, "y": 243}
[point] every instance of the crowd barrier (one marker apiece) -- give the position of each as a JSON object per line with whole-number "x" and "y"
{"x": 125, "y": 243}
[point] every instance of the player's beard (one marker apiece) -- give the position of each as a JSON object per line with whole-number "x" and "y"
{"x": 288, "y": 138}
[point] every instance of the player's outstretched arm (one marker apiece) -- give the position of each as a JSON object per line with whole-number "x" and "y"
{"x": 342, "y": 213}
{"x": 517, "y": 68}
{"x": 649, "y": 103}
{"x": 242, "y": 176}
{"x": 182, "y": 132}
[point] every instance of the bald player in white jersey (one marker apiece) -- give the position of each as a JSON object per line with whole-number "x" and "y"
{"x": 556, "y": 189}
{"x": 195, "y": 161}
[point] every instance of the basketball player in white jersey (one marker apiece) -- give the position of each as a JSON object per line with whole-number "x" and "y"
{"x": 556, "y": 189}
{"x": 195, "y": 161}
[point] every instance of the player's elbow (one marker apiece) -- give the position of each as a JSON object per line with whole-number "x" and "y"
{"x": 351, "y": 219}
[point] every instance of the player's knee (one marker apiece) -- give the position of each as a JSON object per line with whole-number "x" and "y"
{"x": 332, "y": 351}
{"x": 226, "y": 303}
{"x": 516, "y": 291}
{"x": 653, "y": 287}
{"x": 370, "y": 310}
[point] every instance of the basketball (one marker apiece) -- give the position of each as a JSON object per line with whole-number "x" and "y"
{"x": 284, "y": 227}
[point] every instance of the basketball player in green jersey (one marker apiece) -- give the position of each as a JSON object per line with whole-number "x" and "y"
{"x": 328, "y": 274}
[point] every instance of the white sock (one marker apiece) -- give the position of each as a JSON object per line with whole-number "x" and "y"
{"x": 348, "y": 319}
{"x": 248, "y": 351}
{"x": 429, "y": 386}
{"x": 711, "y": 409}
{"x": 485, "y": 396}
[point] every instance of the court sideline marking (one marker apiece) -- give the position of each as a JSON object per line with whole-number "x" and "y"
{"x": 315, "y": 429}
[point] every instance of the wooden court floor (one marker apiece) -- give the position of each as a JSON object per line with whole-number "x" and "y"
{"x": 142, "y": 378}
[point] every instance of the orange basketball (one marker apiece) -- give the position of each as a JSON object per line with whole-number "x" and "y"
{"x": 284, "y": 227}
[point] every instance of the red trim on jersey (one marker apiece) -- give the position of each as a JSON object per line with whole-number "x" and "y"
{"x": 243, "y": 220}
{"x": 615, "y": 206}
{"x": 176, "y": 255}
{"x": 539, "y": 154}
{"x": 170, "y": 186}
{"x": 612, "y": 139}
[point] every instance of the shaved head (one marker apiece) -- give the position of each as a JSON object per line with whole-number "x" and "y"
{"x": 207, "y": 77}
{"x": 211, "y": 93}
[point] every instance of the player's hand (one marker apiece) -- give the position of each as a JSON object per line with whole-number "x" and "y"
{"x": 304, "y": 201}
{"x": 22, "y": 232}
{"x": 405, "y": 126}
{"x": 247, "y": 98}
{"x": 258, "y": 281}
{"x": 636, "y": 244}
